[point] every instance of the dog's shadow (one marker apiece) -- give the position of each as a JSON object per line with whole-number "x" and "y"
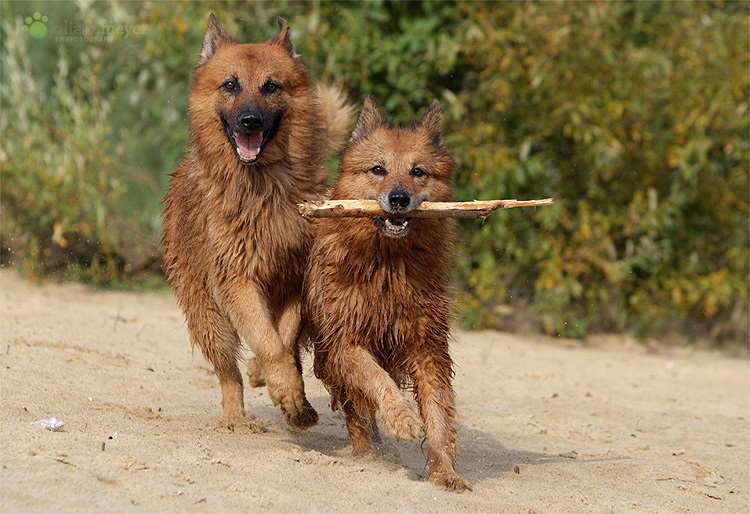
{"x": 481, "y": 455}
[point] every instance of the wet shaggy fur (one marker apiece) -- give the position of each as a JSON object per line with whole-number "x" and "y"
{"x": 235, "y": 246}
{"x": 375, "y": 292}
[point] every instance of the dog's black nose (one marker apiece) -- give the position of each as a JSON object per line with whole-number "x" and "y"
{"x": 399, "y": 199}
{"x": 252, "y": 120}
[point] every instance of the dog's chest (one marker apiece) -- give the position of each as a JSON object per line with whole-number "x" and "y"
{"x": 400, "y": 302}
{"x": 259, "y": 235}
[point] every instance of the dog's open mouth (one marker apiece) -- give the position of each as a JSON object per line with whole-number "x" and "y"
{"x": 394, "y": 227}
{"x": 248, "y": 146}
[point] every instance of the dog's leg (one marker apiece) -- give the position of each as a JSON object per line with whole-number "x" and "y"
{"x": 432, "y": 388}
{"x": 252, "y": 317}
{"x": 374, "y": 427}
{"x": 290, "y": 331}
{"x": 232, "y": 398}
{"x": 359, "y": 430}
{"x": 211, "y": 332}
{"x": 290, "y": 327}
{"x": 361, "y": 374}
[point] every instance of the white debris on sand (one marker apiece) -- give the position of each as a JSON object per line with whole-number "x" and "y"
{"x": 52, "y": 424}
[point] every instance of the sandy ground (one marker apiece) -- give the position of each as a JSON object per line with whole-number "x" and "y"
{"x": 545, "y": 425}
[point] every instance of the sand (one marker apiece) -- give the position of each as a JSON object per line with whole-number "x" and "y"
{"x": 545, "y": 425}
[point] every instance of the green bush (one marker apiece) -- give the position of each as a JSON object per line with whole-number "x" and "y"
{"x": 633, "y": 115}
{"x": 82, "y": 155}
{"x": 57, "y": 162}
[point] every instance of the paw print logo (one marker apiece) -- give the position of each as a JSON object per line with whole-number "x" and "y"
{"x": 36, "y": 25}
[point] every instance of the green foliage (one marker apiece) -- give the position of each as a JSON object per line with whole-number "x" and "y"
{"x": 639, "y": 132}
{"x": 633, "y": 115}
{"x": 57, "y": 162}
{"x": 403, "y": 53}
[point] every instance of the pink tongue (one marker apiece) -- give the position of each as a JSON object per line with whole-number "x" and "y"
{"x": 248, "y": 145}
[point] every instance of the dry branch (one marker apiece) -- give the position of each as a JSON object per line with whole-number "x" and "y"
{"x": 371, "y": 209}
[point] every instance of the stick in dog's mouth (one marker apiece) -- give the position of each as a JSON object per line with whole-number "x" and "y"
{"x": 371, "y": 208}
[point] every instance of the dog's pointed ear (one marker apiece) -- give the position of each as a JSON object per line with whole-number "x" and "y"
{"x": 282, "y": 38}
{"x": 430, "y": 123}
{"x": 214, "y": 39}
{"x": 370, "y": 119}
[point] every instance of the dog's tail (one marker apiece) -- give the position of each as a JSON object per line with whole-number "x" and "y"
{"x": 338, "y": 115}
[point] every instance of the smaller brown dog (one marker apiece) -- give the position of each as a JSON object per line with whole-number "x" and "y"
{"x": 375, "y": 293}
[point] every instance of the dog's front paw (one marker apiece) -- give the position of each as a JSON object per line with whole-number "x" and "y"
{"x": 405, "y": 425}
{"x": 238, "y": 415}
{"x": 302, "y": 417}
{"x": 449, "y": 481}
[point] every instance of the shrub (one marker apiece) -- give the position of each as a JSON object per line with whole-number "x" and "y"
{"x": 639, "y": 132}
{"x": 57, "y": 162}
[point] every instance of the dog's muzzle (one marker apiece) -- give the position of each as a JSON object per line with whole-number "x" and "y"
{"x": 397, "y": 201}
{"x": 250, "y": 134}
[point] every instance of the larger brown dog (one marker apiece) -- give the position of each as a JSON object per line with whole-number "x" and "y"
{"x": 375, "y": 291}
{"x": 236, "y": 247}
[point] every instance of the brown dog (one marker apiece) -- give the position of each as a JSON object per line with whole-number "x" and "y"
{"x": 375, "y": 291}
{"x": 236, "y": 248}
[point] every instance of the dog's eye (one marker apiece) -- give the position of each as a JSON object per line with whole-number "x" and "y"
{"x": 229, "y": 85}
{"x": 270, "y": 86}
{"x": 418, "y": 172}
{"x": 378, "y": 170}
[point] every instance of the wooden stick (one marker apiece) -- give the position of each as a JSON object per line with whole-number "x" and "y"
{"x": 371, "y": 209}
